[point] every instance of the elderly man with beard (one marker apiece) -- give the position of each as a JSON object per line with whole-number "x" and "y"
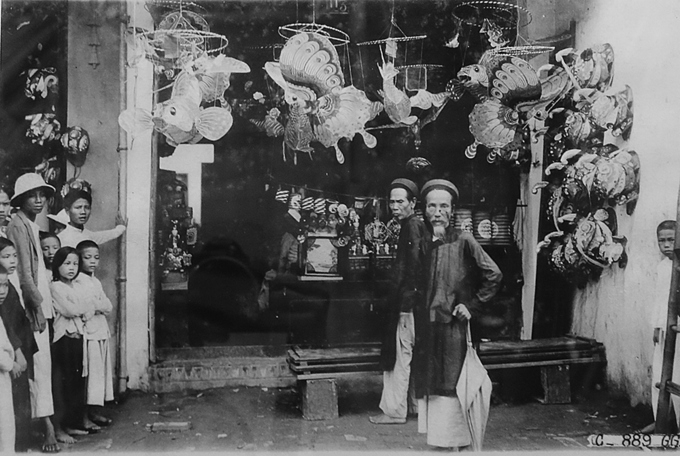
{"x": 409, "y": 286}
{"x": 461, "y": 278}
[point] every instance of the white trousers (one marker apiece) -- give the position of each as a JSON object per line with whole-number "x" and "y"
{"x": 42, "y": 404}
{"x": 442, "y": 419}
{"x": 395, "y": 393}
{"x": 100, "y": 374}
{"x": 657, "y": 361}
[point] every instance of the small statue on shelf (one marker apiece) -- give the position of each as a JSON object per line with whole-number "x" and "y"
{"x": 175, "y": 258}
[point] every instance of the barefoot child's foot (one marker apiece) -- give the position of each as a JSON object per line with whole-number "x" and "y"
{"x": 50, "y": 444}
{"x": 63, "y": 437}
{"x": 89, "y": 426}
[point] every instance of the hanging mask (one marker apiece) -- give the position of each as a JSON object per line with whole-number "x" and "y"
{"x": 74, "y": 184}
{"x": 41, "y": 81}
{"x": 44, "y": 127}
{"x": 76, "y": 143}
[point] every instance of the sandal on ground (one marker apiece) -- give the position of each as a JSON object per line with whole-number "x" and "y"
{"x": 75, "y": 432}
{"x": 101, "y": 420}
{"x": 385, "y": 419}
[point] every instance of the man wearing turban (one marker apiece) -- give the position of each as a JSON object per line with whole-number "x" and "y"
{"x": 408, "y": 295}
{"x": 461, "y": 277}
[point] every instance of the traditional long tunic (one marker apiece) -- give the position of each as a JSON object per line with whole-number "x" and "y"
{"x": 459, "y": 272}
{"x": 98, "y": 358}
{"x": 35, "y": 290}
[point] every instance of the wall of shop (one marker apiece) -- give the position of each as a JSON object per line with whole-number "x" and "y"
{"x": 93, "y": 104}
{"x": 614, "y": 310}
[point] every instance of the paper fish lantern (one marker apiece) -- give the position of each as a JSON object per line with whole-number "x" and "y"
{"x": 310, "y": 73}
{"x": 181, "y": 118}
{"x": 493, "y": 124}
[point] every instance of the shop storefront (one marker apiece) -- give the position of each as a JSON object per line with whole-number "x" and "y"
{"x": 221, "y": 206}
{"x": 255, "y": 185}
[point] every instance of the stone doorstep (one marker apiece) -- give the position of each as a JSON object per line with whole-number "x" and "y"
{"x": 195, "y": 374}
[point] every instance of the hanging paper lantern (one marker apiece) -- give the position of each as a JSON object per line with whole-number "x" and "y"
{"x": 493, "y": 124}
{"x": 48, "y": 169}
{"x": 44, "y": 127}
{"x": 41, "y": 81}
{"x": 320, "y": 205}
{"x": 308, "y": 204}
{"x": 76, "y": 143}
{"x": 463, "y": 220}
{"x": 282, "y": 196}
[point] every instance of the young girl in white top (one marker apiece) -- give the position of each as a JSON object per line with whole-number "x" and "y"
{"x": 97, "y": 334}
{"x": 72, "y": 313}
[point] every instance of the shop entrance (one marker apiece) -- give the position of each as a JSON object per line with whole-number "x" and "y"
{"x": 220, "y": 280}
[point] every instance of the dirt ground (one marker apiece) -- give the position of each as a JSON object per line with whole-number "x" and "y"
{"x": 269, "y": 419}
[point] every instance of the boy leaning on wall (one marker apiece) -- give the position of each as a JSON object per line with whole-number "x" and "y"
{"x": 665, "y": 236}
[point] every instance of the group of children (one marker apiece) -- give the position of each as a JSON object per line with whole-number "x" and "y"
{"x": 55, "y": 362}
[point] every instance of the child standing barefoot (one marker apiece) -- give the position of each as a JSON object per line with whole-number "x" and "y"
{"x": 100, "y": 374}
{"x": 30, "y": 197}
{"x": 69, "y": 325}
{"x": 49, "y": 243}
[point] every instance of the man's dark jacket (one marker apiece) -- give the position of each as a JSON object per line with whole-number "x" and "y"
{"x": 408, "y": 275}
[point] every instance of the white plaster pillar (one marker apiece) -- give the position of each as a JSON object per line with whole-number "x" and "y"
{"x": 140, "y": 95}
{"x": 532, "y": 213}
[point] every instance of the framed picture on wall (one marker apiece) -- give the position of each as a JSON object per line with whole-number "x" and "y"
{"x": 320, "y": 257}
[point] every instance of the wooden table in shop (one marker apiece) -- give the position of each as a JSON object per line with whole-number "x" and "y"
{"x": 318, "y": 368}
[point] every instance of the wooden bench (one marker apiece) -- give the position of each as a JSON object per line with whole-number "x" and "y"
{"x": 317, "y": 369}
